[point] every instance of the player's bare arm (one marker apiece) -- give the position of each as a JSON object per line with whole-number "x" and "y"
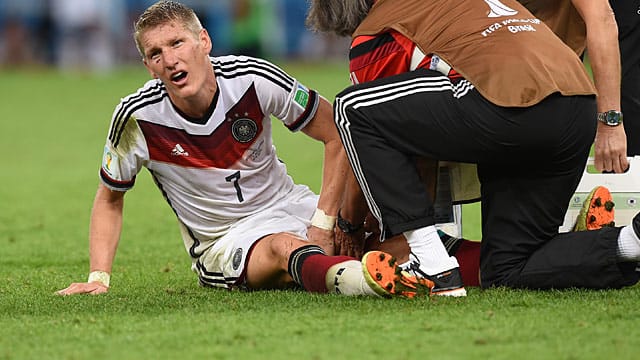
{"x": 604, "y": 55}
{"x": 104, "y": 235}
{"x": 335, "y": 169}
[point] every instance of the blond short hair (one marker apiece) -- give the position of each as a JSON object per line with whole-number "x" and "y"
{"x": 164, "y": 12}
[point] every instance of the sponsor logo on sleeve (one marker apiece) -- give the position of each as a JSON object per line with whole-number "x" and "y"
{"x": 109, "y": 160}
{"x": 302, "y": 96}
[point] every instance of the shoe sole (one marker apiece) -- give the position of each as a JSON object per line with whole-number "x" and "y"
{"x": 459, "y": 292}
{"x": 385, "y": 277}
{"x": 597, "y": 211}
{"x": 448, "y": 283}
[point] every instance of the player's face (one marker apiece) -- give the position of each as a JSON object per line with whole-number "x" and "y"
{"x": 180, "y": 60}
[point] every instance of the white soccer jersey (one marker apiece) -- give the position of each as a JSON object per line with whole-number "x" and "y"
{"x": 216, "y": 170}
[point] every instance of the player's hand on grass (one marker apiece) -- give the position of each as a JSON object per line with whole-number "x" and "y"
{"x": 323, "y": 238}
{"x": 610, "y": 149}
{"x": 93, "y": 288}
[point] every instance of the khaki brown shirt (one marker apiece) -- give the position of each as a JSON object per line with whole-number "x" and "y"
{"x": 510, "y": 56}
{"x": 563, "y": 18}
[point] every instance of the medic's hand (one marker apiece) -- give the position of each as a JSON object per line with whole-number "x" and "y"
{"x": 350, "y": 244}
{"x": 610, "y": 149}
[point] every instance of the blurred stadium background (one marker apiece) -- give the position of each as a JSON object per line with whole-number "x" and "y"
{"x": 95, "y": 35}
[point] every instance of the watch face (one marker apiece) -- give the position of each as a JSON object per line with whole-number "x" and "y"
{"x": 613, "y": 118}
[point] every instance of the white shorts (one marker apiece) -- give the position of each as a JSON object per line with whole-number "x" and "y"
{"x": 223, "y": 264}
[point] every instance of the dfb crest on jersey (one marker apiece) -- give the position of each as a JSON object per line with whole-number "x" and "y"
{"x": 244, "y": 130}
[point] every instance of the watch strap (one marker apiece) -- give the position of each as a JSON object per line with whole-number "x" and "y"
{"x": 611, "y": 117}
{"x": 346, "y": 226}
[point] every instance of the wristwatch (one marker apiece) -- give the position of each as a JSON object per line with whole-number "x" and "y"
{"x": 346, "y": 226}
{"x": 611, "y": 117}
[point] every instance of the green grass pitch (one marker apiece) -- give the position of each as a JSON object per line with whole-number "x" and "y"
{"x": 52, "y": 130}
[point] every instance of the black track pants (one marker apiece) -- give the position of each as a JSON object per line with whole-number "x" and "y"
{"x": 530, "y": 161}
{"x": 628, "y": 19}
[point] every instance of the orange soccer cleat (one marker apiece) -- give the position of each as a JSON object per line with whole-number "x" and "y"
{"x": 387, "y": 279}
{"x": 597, "y": 211}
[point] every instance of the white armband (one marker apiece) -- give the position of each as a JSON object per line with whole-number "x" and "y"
{"x": 100, "y": 276}
{"x": 323, "y": 221}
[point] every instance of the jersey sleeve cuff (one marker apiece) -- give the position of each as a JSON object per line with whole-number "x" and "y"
{"x": 116, "y": 185}
{"x": 308, "y": 114}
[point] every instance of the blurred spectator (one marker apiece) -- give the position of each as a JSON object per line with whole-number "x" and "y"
{"x": 295, "y": 12}
{"x": 255, "y": 30}
{"x": 246, "y": 28}
{"x": 85, "y": 39}
{"x": 23, "y": 27}
{"x": 95, "y": 34}
{"x": 15, "y": 47}
{"x": 218, "y": 20}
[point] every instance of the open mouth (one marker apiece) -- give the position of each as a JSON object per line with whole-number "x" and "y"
{"x": 179, "y": 76}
